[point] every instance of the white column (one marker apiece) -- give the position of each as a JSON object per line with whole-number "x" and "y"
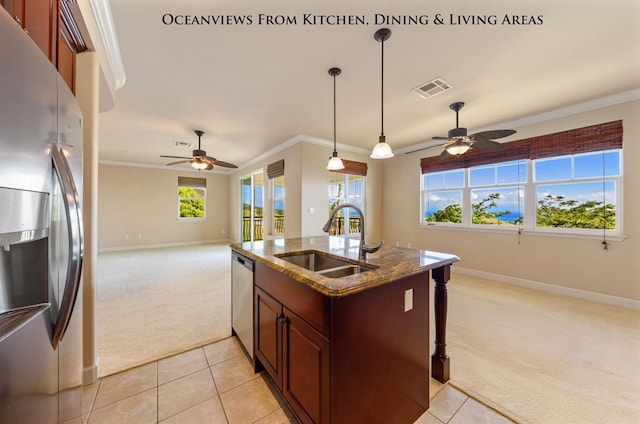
{"x": 87, "y": 83}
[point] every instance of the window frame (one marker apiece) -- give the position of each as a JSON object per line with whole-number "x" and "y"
{"x": 345, "y": 198}
{"x": 274, "y": 199}
{"x": 530, "y": 201}
{"x": 617, "y": 180}
{"x": 202, "y": 187}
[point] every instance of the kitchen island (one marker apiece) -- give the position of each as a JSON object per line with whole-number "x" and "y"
{"x": 346, "y": 340}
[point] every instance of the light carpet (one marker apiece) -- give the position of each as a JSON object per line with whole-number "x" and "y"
{"x": 154, "y": 303}
{"x": 542, "y": 358}
{"x": 538, "y": 358}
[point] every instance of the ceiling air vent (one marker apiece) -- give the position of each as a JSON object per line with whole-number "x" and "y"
{"x": 431, "y": 88}
{"x": 182, "y": 144}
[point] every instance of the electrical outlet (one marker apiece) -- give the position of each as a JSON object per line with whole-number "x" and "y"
{"x": 408, "y": 300}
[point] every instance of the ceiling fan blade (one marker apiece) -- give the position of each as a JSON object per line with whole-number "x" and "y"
{"x": 225, "y": 164}
{"x": 444, "y": 154}
{"x": 487, "y": 145}
{"x": 209, "y": 167}
{"x": 429, "y": 147}
{"x": 493, "y": 134}
{"x": 179, "y": 162}
{"x": 174, "y": 157}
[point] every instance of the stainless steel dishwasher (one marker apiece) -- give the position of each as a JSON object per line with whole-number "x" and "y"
{"x": 242, "y": 299}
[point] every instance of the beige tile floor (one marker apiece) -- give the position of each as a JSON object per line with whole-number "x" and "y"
{"x": 216, "y": 384}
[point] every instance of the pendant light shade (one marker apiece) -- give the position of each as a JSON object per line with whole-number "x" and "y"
{"x": 335, "y": 163}
{"x": 382, "y": 150}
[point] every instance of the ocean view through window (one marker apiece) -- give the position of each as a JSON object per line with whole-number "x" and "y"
{"x": 571, "y": 194}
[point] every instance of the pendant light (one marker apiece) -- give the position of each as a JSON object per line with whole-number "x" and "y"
{"x": 335, "y": 163}
{"x": 382, "y": 150}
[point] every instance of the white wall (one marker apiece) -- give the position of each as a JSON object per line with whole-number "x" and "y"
{"x": 142, "y": 203}
{"x": 572, "y": 263}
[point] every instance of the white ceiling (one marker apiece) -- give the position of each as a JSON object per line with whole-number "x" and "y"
{"x": 253, "y": 87}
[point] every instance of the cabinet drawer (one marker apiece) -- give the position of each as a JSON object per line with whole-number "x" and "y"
{"x": 307, "y": 303}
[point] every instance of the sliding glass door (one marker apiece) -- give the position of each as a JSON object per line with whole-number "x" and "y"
{"x": 252, "y": 206}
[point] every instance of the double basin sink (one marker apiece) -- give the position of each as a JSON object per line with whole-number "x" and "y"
{"x": 325, "y": 264}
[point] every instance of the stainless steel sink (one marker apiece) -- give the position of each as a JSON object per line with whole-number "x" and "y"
{"x": 313, "y": 261}
{"x": 343, "y": 271}
{"x": 324, "y": 264}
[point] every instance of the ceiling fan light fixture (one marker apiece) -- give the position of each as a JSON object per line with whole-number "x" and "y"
{"x": 459, "y": 147}
{"x": 382, "y": 150}
{"x": 335, "y": 163}
{"x": 199, "y": 164}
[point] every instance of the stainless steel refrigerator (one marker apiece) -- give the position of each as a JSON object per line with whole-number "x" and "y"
{"x": 40, "y": 237}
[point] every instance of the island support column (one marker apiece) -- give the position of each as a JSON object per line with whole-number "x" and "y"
{"x": 440, "y": 359}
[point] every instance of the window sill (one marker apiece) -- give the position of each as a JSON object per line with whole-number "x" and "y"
{"x": 503, "y": 230}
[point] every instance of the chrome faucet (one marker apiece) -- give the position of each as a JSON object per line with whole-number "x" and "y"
{"x": 364, "y": 248}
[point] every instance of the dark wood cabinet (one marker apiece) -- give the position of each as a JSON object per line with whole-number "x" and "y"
{"x": 42, "y": 21}
{"x": 352, "y": 359}
{"x": 306, "y": 369}
{"x": 15, "y": 9}
{"x": 268, "y": 334}
{"x": 295, "y": 356}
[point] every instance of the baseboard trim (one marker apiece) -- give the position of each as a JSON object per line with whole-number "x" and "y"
{"x": 160, "y": 245}
{"x": 551, "y": 288}
{"x": 90, "y": 374}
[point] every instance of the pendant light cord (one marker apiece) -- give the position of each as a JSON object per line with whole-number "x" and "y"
{"x": 382, "y": 91}
{"x": 334, "y": 114}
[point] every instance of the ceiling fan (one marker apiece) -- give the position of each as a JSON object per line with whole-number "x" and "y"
{"x": 200, "y": 160}
{"x": 458, "y": 142}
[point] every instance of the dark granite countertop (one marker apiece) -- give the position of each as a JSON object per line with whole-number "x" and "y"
{"x": 391, "y": 263}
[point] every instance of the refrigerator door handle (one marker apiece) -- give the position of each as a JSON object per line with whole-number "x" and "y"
{"x": 76, "y": 248}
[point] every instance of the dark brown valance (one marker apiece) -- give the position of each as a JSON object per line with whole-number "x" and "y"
{"x": 275, "y": 169}
{"x": 581, "y": 140}
{"x": 192, "y": 182}
{"x": 607, "y": 136}
{"x": 354, "y": 168}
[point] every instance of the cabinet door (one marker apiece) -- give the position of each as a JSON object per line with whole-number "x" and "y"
{"x": 40, "y": 22}
{"x": 268, "y": 334}
{"x": 306, "y": 370}
{"x": 15, "y": 9}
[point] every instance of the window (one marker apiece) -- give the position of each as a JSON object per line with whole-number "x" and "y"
{"x": 495, "y": 193}
{"x": 567, "y": 182}
{"x": 442, "y": 198}
{"x": 278, "y": 205}
{"x": 347, "y": 187}
{"x": 275, "y": 172}
{"x": 578, "y": 191}
{"x": 251, "y": 203}
{"x": 191, "y": 197}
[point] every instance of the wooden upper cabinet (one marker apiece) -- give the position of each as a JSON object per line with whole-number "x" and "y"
{"x": 66, "y": 62}
{"x": 15, "y": 9}
{"x": 44, "y": 23}
{"x": 41, "y": 23}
